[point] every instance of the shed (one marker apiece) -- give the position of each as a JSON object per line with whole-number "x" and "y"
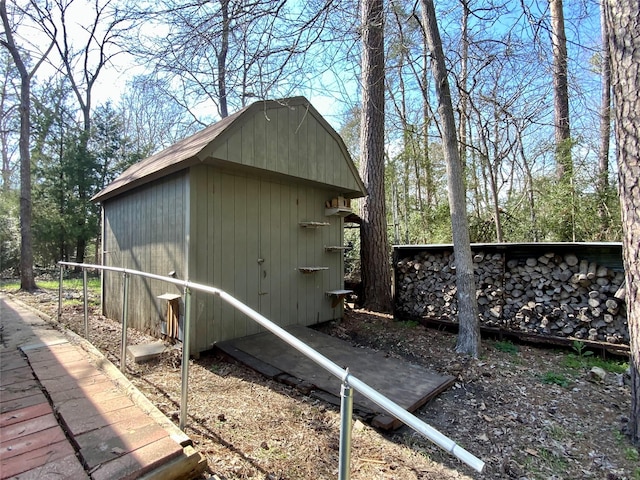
{"x": 253, "y": 204}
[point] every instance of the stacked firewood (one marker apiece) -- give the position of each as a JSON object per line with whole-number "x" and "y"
{"x": 551, "y": 294}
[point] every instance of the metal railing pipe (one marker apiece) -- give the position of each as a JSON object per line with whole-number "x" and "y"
{"x": 85, "y": 303}
{"x": 389, "y": 406}
{"x": 125, "y": 314}
{"x": 346, "y": 414}
{"x": 383, "y": 402}
{"x": 186, "y": 339}
{"x": 60, "y": 292}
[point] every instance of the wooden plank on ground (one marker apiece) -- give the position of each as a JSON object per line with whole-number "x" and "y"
{"x": 408, "y": 385}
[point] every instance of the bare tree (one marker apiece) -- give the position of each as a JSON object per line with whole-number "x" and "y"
{"x": 463, "y": 79}
{"x": 624, "y": 45}
{"x": 376, "y": 274}
{"x": 153, "y": 120}
{"x": 605, "y": 123}
{"x": 21, "y": 59}
{"x": 564, "y": 164}
{"x": 224, "y": 54}
{"x": 83, "y": 58}
{"x": 468, "y": 315}
{"x": 9, "y": 120}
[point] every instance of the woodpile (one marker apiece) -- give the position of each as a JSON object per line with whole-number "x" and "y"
{"x": 551, "y": 294}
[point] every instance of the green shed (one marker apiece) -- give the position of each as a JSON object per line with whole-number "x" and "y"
{"x": 253, "y": 204}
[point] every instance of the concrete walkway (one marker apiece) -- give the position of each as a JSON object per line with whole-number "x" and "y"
{"x": 66, "y": 412}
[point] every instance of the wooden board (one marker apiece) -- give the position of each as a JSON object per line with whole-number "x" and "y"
{"x": 408, "y": 385}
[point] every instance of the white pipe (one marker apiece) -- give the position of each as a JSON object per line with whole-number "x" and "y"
{"x": 389, "y": 406}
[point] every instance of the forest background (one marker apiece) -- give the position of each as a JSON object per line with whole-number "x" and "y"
{"x": 114, "y": 81}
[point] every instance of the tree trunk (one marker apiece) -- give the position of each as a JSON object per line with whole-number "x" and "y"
{"x": 564, "y": 165}
{"x": 530, "y": 188}
{"x": 426, "y": 118}
{"x": 376, "y": 273}
{"x": 8, "y": 75}
{"x": 468, "y": 315}
{"x": 605, "y": 126}
{"x": 222, "y": 59}
{"x": 462, "y": 89}
{"x": 624, "y": 44}
{"x": 27, "y": 280}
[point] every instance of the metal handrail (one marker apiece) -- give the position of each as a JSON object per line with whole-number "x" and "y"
{"x": 348, "y": 380}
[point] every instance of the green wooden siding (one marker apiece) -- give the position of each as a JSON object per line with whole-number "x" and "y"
{"x": 145, "y": 230}
{"x": 288, "y": 140}
{"x": 233, "y": 221}
{"x": 237, "y": 220}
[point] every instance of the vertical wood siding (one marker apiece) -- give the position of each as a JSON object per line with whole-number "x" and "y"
{"x": 288, "y": 140}
{"x": 145, "y": 230}
{"x": 238, "y": 219}
{"x": 237, "y": 230}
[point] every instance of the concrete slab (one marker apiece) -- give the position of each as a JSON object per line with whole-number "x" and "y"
{"x": 408, "y": 385}
{"x": 146, "y": 351}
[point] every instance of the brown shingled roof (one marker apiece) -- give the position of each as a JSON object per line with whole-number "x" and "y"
{"x": 192, "y": 150}
{"x": 176, "y": 157}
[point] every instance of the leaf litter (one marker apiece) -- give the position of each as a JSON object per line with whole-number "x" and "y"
{"x": 501, "y": 409}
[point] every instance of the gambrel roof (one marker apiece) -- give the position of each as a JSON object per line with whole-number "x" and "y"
{"x": 286, "y": 138}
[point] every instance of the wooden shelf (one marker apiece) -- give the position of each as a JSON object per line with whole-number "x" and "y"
{"x": 169, "y": 296}
{"x": 311, "y": 269}
{"x": 314, "y": 224}
{"x": 335, "y": 293}
{"x": 335, "y": 249}
{"x": 337, "y": 296}
{"x": 338, "y": 211}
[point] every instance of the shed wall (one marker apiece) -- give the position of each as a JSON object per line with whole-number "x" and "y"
{"x": 238, "y": 220}
{"x": 145, "y": 230}
{"x": 289, "y": 140}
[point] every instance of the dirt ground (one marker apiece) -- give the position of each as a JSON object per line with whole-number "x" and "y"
{"x": 529, "y": 413}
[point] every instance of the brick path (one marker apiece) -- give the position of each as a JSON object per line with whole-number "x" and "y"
{"x": 62, "y": 417}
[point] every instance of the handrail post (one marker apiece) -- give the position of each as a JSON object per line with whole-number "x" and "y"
{"x": 349, "y": 382}
{"x": 60, "y": 292}
{"x": 86, "y": 304}
{"x": 125, "y": 313}
{"x": 186, "y": 336}
{"x": 346, "y": 412}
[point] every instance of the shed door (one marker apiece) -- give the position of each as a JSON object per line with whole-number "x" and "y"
{"x": 278, "y": 212}
{"x": 256, "y": 251}
{"x": 265, "y": 254}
